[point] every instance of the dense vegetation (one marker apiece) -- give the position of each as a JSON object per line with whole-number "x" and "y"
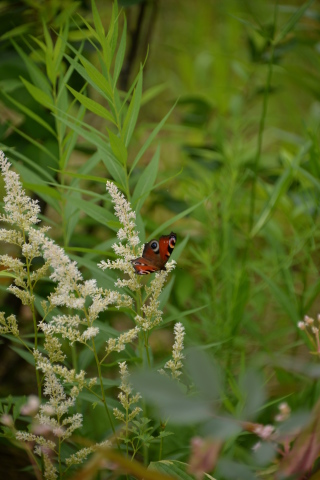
{"x": 205, "y": 116}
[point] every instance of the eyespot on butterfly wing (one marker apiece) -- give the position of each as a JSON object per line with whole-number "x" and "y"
{"x": 155, "y": 255}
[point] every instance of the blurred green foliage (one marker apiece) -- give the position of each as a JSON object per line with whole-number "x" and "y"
{"x": 237, "y": 176}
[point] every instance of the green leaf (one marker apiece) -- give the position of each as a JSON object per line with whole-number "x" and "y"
{"x": 175, "y": 468}
{"x": 30, "y": 113}
{"x": 118, "y": 148}
{"x": 175, "y": 219}
{"x": 180, "y": 315}
{"x": 39, "y": 95}
{"x": 32, "y": 164}
{"x": 120, "y": 55}
{"x": 132, "y": 113}
{"x": 101, "y": 143}
{"x": 205, "y": 374}
{"x": 97, "y": 22}
{"x": 146, "y": 182}
{"x": 105, "y": 278}
{"x": 27, "y": 356}
{"x": 34, "y": 179}
{"x": 109, "y": 46}
{"x": 93, "y": 106}
{"x": 100, "y": 214}
{"x": 293, "y": 20}
{"x": 278, "y": 191}
{"x": 43, "y": 189}
{"x": 152, "y": 92}
{"x": 70, "y": 140}
{"x": 168, "y": 397}
{"x": 17, "y": 31}
{"x": 36, "y": 75}
{"x": 82, "y": 176}
{"x": 101, "y": 84}
{"x": 284, "y": 300}
{"x": 5, "y": 273}
{"x": 37, "y": 144}
{"x": 97, "y": 78}
{"x": 165, "y": 294}
{"x": 151, "y": 137}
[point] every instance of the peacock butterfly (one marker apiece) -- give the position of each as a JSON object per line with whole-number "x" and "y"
{"x": 155, "y": 255}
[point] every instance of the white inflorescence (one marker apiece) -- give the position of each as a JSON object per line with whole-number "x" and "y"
{"x": 175, "y": 364}
{"x": 126, "y": 398}
{"x": 20, "y": 209}
{"x": 61, "y": 384}
{"x": 128, "y": 233}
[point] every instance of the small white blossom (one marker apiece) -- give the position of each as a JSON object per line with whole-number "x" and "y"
{"x": 264, "y": 431}
{"x": 30, "y": 437}
{"x": 7, "y": 420}
{"x": 175, "y": 364}
{"x": 126, "y": 398}
{"x": 129, "y": 251}
{"x": 119, "y": 344}
{"x": 79, "y": 457}
{"x": 8, "y": 325}
{"x": 20, "y": 209}
{"x": 308, "y": 320}
{"x": 31, "y": 407}
{"x": 90, "y": 333}
{"x": 284, "y": 412}
{"x": 50, "y": 471}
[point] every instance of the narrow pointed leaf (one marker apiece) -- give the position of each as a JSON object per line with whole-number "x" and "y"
{"x": 93, "y": 106}
{"x": 118, "y": 148}
{"x": 132, "y": 113}
{"x": 151, "y": 137}
{"x": 96, "y": 212}
{"x": 84, "y": 74}
{"x": 30, "y": 113}
{"x": 146, "y": 181}
{"x": 174, "y": 219}
{"x": 293, "y": 20}
{"x": 97, "y": 22}
{"x": 120, "y": 55}
{"x": 278, "y": 191}
{"x": 38, "y": 95}
{"x": 36, "y": 75}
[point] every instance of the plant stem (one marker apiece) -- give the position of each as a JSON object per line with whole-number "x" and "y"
{"x": 102, "y": 388}
{"x": 261, "y": 128}
{"x": 35, "y": 326}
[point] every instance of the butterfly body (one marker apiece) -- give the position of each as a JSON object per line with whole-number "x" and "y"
{"x": 155, "y": 255}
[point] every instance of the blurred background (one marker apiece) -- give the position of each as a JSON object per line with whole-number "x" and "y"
{"x": 239, "y": 152}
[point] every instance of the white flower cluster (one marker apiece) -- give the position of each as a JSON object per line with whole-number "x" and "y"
{"x": 152, "y": 315}
{"x": 308, "y": 325}
{"x": 20, "y": 209}
{"x": 128, "y": 251}
{"x": 118, "y": 344}
{"x": 175, "y": 364}
{"x": 284, "y": 412}
{"x": 125, "y": 397}
{"x": 8, "y": 325}
{"x": 81, "y": 455}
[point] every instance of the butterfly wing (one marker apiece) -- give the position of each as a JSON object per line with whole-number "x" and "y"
{"x": 166, "y": 246}
{"x": 155, "y": 255}
{"x": 143, "y": 266}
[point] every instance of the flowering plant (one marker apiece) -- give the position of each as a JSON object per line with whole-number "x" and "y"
{"x": 69, "y": 316}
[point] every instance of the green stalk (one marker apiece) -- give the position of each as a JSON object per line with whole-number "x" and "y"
{"x": 35, "y": 326}
{"x": 102, "y": 388}
{"x": 260, "y": 137}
